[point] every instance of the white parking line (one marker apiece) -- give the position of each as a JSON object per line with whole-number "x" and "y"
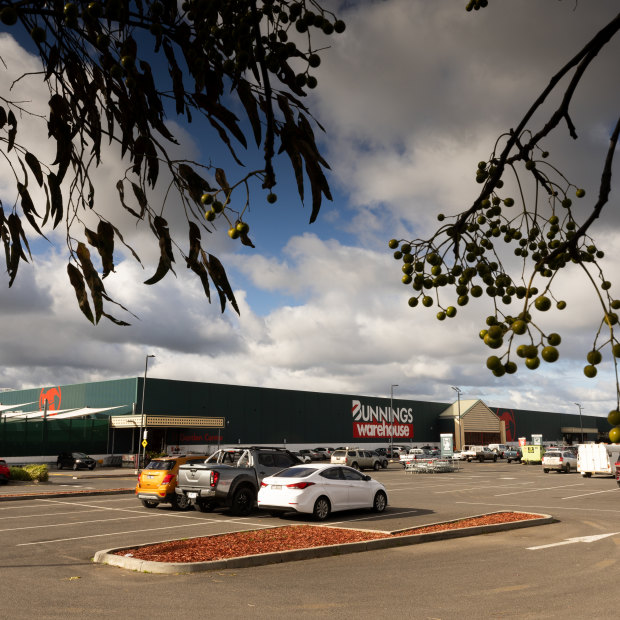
{"x": 578, "y": 484}
{"x": 65, "y": 524}
{"x": 375, "y": 516}
{"x": 153, "y": 529}
{"x": 593, "y": 493}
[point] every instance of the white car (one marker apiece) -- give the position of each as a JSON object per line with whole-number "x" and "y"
{"x": 559, "y": 460}
{"x": 320, "y": 489}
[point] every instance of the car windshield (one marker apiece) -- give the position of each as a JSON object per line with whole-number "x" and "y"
{"x": 160, "y": 464}
{"x": 339, "y": 453}
{"x": 295, "y": 472}
{"x": 80, "y": 455}
{"x": 552, "y": 454}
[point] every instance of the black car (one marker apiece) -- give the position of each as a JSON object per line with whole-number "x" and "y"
{"x": 75, "y": 460}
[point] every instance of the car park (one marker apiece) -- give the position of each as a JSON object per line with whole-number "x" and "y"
{"x": 356, "y": 458}
{"x": 158, "y": 480}
{"x": 75, "y": 461}
{"x": 5, "y": 472}
{"x": 559, "y": 460}
{"x": 320, "y": 489}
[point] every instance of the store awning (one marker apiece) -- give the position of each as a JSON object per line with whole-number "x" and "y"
{"x": 7, "y": 407}
{"x": 61, "y": 414}
{"x": 576, "y": 430}
{"x": 165, "y": 421}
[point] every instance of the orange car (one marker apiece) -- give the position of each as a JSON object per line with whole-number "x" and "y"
{"x": 157, "y": 481}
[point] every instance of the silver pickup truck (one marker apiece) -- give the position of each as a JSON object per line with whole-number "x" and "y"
{"x": 231, "y": 477}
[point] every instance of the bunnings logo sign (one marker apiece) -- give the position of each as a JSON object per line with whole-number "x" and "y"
{"x": 378, "y": 422}
{"x": 52, "y": 397}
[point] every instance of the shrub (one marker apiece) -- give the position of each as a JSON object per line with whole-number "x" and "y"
{"x": 30, "y": 472}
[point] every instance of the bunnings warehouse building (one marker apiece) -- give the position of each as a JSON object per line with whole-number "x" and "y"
{"x": 106, "y": 418}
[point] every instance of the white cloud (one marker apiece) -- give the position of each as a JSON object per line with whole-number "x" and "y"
{"x": 413, "y": 95}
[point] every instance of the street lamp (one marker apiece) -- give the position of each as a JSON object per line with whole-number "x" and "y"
{"x": 392, "y": 419}
{"x": 458, "y": 396}
{"x": 580, "y": 420}
{"x": 141, "y": 459}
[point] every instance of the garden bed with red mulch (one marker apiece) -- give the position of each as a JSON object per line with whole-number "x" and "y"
{"x": 286, "y": 538}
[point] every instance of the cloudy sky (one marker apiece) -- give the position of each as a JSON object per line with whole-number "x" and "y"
{"x": 412, "y": 96}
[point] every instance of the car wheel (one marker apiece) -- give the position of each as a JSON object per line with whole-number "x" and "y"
{"x": 380, "y": 502}
{"x": 567, "y": 468}
{"x": 91, "y": 467}
{"x": 149, "y": 503}
{"x": 180, "y": 502}
{"x": 321, "y": 509}
{"x": 480, "y": 459}
{"x": 355, "y": 466}
{"x": 495, "y": 459}
{"x": 376, "y": 466}
{"x": 243, "y": 501}
{"x": 546, "y": 471}
{"x": 586, "y": 474}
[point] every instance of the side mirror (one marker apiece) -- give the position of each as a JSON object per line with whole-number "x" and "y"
{"x": 367, "y": 478}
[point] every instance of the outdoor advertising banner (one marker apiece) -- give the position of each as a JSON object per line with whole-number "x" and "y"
{"x": 378, "y": 423}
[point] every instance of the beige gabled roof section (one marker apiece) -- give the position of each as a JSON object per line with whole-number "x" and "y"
{"x": 475, "y": 416}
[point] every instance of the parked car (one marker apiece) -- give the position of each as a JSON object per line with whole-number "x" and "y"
{"x": 415, "y": 454}
{"x": 479, "y": 453}
{"x": 304, "y": 458}
{"x": 231, "y": 477}
{"x": 559, "y": 460}
{"x": 314, "y": 456}
{"x": 5, "y": 472}
{"x": 320, "y": 489}
{"x": 499, "y": 449}
{"x": 75, "y": 460}
{"x": 158, "y": 480}
{"x": 457, "y": 455}
{"x": 356, "y": 458}
{"x": 383, "y": 459}
{"x": 324, "y": 452}
{"x": 513, "y": 454}
{"x": 390, "y": 453}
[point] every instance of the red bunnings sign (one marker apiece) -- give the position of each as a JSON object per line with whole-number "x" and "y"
{"x": 377, "y": 422}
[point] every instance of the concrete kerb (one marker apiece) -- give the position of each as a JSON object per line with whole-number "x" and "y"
{"x": 109, "y": 557}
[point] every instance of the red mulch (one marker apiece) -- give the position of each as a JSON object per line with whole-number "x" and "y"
{"x": 285, "y": 538}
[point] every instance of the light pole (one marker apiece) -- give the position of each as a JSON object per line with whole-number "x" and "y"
{"x": 392, "y": 419}
{"x": 140, "y": 459}
{"x": 458, "y": 397}
{"x": 580, "y": 421}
